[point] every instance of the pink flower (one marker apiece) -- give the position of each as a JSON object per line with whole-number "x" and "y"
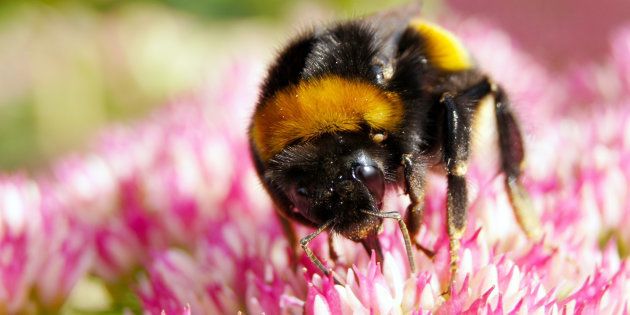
{"x": 19, "y": 202}
{"x": 578, "y": 174}
{"x": 549, "y": 31}
{"x": 43, "y": 250}
{"x": 171, "y": 209}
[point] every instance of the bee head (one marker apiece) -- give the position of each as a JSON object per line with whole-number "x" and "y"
{"x": 334, "y": 177}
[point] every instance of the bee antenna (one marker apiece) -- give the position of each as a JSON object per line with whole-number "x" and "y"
{"x": 403, "y": 229}
{"x": 306, "y": 240}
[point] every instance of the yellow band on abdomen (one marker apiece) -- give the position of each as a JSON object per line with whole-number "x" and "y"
{"x": 444, "y": 50}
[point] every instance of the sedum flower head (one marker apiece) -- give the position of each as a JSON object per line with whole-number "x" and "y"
{"x": 170, "y": 210}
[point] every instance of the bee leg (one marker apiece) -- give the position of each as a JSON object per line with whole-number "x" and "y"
{"x": 456, "y": 151}
{"x": 414, "y": 171}
{"x": 304, "y": 243}
{"x": 289, "y": 232}
{"x": 512, "y": 157}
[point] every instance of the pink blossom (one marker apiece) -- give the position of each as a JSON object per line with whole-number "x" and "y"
{"x": 170, "y": 208}
{"x": 558, "y": 33}
{"x": 43, "y": 250}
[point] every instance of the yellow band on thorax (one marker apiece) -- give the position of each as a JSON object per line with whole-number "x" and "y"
{"x": 326, "y": 105}
{"x": 443, "y": 49}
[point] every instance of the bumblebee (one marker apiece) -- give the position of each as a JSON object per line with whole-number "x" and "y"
{"x": 350, "y": 109}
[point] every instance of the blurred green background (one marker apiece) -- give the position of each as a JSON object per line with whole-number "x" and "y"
{"x": 68, "y": 68}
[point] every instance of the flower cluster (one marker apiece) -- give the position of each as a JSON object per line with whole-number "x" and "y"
{"x": 44, "y": 250}
{"x": 171, "y": 209}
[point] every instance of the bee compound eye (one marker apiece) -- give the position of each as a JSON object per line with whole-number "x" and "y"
{"x": 372, "y": 177}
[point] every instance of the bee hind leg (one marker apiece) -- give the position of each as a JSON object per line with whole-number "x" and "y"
{"x": 512, "y": 163}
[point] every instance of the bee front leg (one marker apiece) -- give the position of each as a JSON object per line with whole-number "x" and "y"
{"x": 287, "y": 217}
{"x": 414, "y": 172}
{"x": 289, "y": 232}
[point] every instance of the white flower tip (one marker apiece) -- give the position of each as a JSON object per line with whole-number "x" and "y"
{"x": 384, "y": 299}
{"x": 394, "y": 275}
{"x": 320, "y": 306}
{"x": 427, "y": 300}
{"x": 486, "y": 279}
{"x": 466, "y": 264}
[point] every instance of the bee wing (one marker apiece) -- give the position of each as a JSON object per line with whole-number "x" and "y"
{"x": 390, "y": 24}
